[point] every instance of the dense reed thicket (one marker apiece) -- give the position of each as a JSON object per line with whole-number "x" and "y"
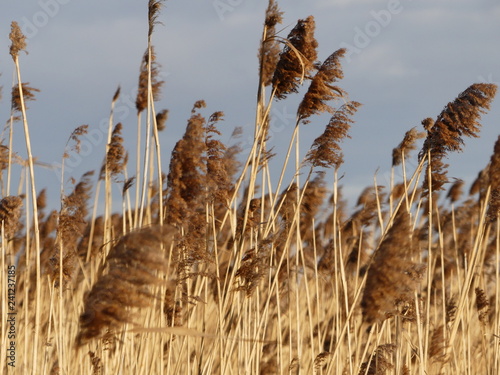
{"x": 214, "y": 267}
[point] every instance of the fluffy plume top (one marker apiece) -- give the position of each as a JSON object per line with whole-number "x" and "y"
{"x": 456, "y": 191}
{"x": 297, "y": 58}
{"x": 380, "y": 361}
{"x": 18, "y": 40}
{"x": 269, "y": 49}
{"x": 321, "y": 89}
{"x": 161, "y": 119}
{"x": 459, "y": 118}
{"x": 326, "y": 152}
{"x": 406, "y": 145}
{"x": 70, "y": 228}
{"x": 75, "y": 136}
{"x": 141, "y": 101}
{"x": 494, "y": 181}
{"x": 10, "y": 212}
{"x": 392, "y": 276}
{"x": 28, "y": 95}
{"x": 154, "y": 7}
{"x": 116, "y": 156}
{"x": 129, "y": 269}
{"x": 185, "y": 181}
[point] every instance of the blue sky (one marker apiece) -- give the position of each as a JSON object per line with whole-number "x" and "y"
{"x": 406, "y": 60}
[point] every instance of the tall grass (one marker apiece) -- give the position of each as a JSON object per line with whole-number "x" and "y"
{"x": 214, "y": 267}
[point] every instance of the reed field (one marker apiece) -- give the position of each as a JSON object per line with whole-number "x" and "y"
{"x": 216, "y": 264}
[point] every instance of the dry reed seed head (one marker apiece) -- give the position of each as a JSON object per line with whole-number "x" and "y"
{"x": 4, "y": 157}
{"x": 480, "y": 184}
{"x": 70, "y": 228}
{"x": 116, "y": 155}
{"x": 322, "y": 88}
{"x": 325, "y": 151}
{"x": 438, "y": 346}
{"x": 392, "y": 276}
{"x": 273, "y": 15}
{"x": 406, "y": 145}
{"x": 459, "y": 118}
{"x": 28, "y": 95}
{"x": 96, "y": 363}
{"x": 76, "y": 138}
{"x": 161, "y": 119}
{"x": 253, "y": 268}
{"x": 116, "y": 94}
{"x": 456, "y": 191}
{"x": 297, "y": 58}
{"x": 18, "y": 40}
{"x": 321, "y": 359}
{"x": 186, "y": 180}
{"x": 41, "y": 200}
{"x": 154, "y": 7}
{"x": 428, "y": 123}
{"x": 269, "y": 50}
{"x": 493, "y": 176}
{"x": 172, "y": 308}
{"x": 398, "y": 191}
{"x": 130, "y": 268}
{"x": 483, "y": 306}
{"x": 10, "y": 212}
{"x": 128, "y": 184}
{"x": 141, "y": 101}
{"x": 379, "y": 362}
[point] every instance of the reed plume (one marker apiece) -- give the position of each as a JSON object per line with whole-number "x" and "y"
{"x": 458, "y": 119}
{"x": 154, "y": 7}
{"x": 253, "y": 268}
{"x": 10, "y": 213}
{"x": 297, "y": 58}
{"x": 161, "y": 119}
{"x": 379, "y": 362}
{"x": 18, "y": 40}
{"x": 456, "y": 191}
{"x": 28, "y": 95}
{"x": 269, "y": 49}
{"x": 70, "y": 228}
{"x": 325, "y": 151}
{"x": 130, "y": 268}
{"x": 322, "y": 88}
{"x": 406, "y": 145}
{"x": 483, "y": 306}
{"x": 185, "y": 180}
{"x": 493, "y": 174}
{"x": 141, "y": 101}
{"x": 116, "y": 156}
{"x": 392, "y": 276}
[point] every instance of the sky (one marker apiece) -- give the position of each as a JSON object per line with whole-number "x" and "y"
{"x": 406, "y": 60}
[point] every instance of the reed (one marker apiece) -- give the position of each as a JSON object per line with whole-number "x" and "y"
{"x": 213, "y": 266}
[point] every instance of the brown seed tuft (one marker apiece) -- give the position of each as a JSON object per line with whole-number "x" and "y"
{"x": 161, "y": 119}
{"x": 494, "y": 181}
{"x": 10, "y": 212}
{"x": 459, "y": 118}
{"x": 129, "y": 269}
{"x": 18, "y": 40}
{"x": 326, "y": 152}
{"x": 297, "y": 58}
{"x": 269, "y": 49}
{"x": 141, "y": 101}
{"x": 380, "y": 361}
{"x": 28, "y": 95}
{"x": 483, "y": 306}
{"x": 392, "y": 277}
{"x": 406, "y": 145}
{"x": 321, "y": 90}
